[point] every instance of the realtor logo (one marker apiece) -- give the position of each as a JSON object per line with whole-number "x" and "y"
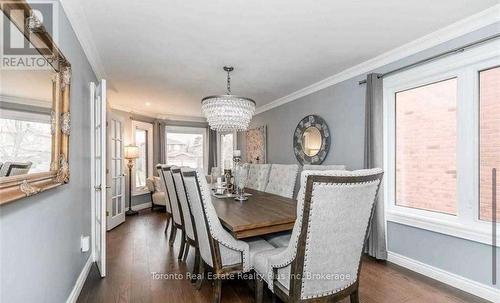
{"x": 18, "y": 28}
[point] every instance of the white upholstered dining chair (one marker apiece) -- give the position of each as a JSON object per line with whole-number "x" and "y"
{"x": 162, "y": 188}
{"x": 218, "y": 248}
{"x": 323, "y": 167}
{"x": 174, "y": 203}
{"x": 188, "y": 235}
{"x": 323, "y": 258}
{"x": 282, "y": 179}
{"x": 282, "y": 239}
{"x": 258, "y": 175}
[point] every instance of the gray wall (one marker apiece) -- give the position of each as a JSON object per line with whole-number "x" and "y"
{"x": 342, "y": 106}
{"x": 40, "y": 257}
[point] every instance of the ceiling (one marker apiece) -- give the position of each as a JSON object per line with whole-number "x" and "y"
{"x": 161, "y": 57}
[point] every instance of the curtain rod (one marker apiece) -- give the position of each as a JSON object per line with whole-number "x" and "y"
{"x": 438, "y": 56}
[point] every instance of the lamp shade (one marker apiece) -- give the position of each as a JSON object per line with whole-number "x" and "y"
{"x": 131, "y": 152}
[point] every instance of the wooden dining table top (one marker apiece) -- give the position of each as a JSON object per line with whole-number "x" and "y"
{"x": 263, "y": 213}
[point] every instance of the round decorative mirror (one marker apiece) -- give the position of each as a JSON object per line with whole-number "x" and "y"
{"x": 311, "y": 140}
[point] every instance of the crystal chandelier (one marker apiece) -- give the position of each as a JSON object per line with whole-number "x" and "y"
{"x": 228, "y": 112}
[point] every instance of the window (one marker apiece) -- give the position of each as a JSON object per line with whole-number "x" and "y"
{"x": 186, "y": 146}
{"x": 26, "y": 137}
{"x": 426, "y": 139}
{"x": 489, "y": 147}
{"x": 227, "y": 144}
{"x": 143, "y": 168}
{"x": 442, "y": 140}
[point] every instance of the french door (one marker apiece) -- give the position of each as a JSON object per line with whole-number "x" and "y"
{"x": 115, "y": 175}
{"x": 98, "y": 173}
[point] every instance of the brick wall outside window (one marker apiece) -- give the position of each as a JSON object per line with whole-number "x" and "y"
{"x": 489, "y": 128}
{"x": 426, "y": 147}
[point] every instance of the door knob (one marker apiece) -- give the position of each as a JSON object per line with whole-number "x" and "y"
{"x": 97, "y": 187}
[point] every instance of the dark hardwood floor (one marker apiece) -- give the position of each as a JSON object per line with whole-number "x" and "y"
{"x": 138, "y": 248}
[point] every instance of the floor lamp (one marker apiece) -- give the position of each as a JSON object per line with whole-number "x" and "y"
{"x": 131, "y": 153}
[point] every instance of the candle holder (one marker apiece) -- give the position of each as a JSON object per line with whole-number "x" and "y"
{"x": 241, "y": 175}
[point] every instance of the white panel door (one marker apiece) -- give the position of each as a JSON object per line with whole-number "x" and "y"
{"x": 115, "y": 176}
{"x": 98, "y": 172}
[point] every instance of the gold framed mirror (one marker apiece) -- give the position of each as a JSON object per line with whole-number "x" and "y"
{"x": 35, "y": 119}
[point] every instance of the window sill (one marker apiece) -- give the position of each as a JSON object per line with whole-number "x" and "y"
{"x": 481, "y": 234}
{"x": 139, "y": 192}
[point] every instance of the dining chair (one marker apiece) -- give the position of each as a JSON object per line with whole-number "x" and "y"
{"x": 15, "y": 168}
{"x": 188, "y": 236}
{"x": 258, "y": 175}
{"x": 163, "y": 188}
{"x": 218, "y": 248}
{"x": 322, "y": 262}
{"x": 323, "y": 167}
{"x": 282, "y": 179}
{"x": 177, "y": 222}
{"x": 281, "y": 239}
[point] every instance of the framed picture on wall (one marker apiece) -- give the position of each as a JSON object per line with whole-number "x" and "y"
{"x": 256, "y": 145}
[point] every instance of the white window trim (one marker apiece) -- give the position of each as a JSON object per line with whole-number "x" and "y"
{"x": 191, "y": 130}
{"x": 149, "y": 128}
{"x": 465, "y": 67}
{"x": 219, "y": 147}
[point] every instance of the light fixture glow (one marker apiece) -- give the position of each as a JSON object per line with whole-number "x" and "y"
{"x": 228, "y": 112}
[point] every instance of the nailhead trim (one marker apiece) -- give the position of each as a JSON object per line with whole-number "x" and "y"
{"x": 246, "y": 265}
{"x": 292, "y": 252}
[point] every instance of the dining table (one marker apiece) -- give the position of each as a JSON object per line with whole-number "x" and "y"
{"x": 262, "y": 214}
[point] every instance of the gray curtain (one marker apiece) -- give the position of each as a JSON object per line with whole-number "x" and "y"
{"x": 374, "y": 157}
{"x": 212, "y": 149}
{"x": 158, "y": 144}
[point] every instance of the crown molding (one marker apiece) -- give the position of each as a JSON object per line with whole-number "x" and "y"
{"x": 170, "y": 117}
{"x": 77, "y": 19}
{"x": 450, "y": 32}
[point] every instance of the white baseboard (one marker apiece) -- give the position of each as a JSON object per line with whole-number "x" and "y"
{"x": 75, "y": 292}
{"x": 478, "y": 289}
{"x": 142, "y": 206}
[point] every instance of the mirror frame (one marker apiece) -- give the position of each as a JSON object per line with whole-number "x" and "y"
{"x": 21, "y": 186}
{"x": 304, "y": 124}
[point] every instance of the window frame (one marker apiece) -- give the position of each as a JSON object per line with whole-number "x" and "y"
{"x": 148, "y": 127}
{"x": 465, "y": 67}
{"x": 219, "y": 146}
{"x": 194, "y": 130}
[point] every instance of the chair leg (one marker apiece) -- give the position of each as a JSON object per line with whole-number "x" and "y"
{"x": 196, "y": 267}
{"x": 217, "y": 290}
{"x": 183, "y": 245}
{"x": 173, "y": 233}
{"x": 186, "y": 251}
{"x": 355, "y": 297}
{"x": 201, "y": 271}
{"x": 168, "y": 222}
{"x": 259, "y": 289}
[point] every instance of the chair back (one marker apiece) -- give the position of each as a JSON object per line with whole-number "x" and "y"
{"x": 181, "y": 194}
{"x": 191, "y": 180}
{"x": 171, "y": 193}
{"x": 258, "y": 175}
{"x": 163, "y": 188}
{"x": 323, "y": 167}
{"x": 329, "y": 237}
{"x": 282, "y": 179}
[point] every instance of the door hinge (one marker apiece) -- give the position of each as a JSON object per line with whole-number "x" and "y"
{"x": 107, "y": 213}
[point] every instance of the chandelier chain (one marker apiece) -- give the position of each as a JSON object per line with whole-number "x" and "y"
{"x": 228, "y": 82}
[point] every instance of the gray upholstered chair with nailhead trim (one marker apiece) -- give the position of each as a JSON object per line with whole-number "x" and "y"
{"x": 177, "y": 222}
{"x": 282, "y": 179}
{"x": 188, "y": 235}
{"x": 218, "y": 248}
{"x": 163, "y": 188}
{"x": 282, "y": 239}
{"x": 258, "y": 175}
{"x": 323, "y": 258}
